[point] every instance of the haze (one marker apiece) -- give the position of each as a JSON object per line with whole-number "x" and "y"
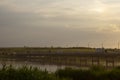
{"x": 59, "y": 23}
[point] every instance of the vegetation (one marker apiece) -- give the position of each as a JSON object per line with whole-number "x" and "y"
{"x": 25, "y": 73}
{"x": 30, "y": 73}
{"x": 94, "y": 73}
{"x": 45, "y": 49}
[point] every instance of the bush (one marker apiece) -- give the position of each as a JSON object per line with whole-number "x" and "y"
{"x": 94, "y": 73}
{"x": 30, "y": 73}
{"x": 25, "y": 73}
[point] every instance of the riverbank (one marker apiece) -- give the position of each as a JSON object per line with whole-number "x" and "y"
{"x": 33, "y": 73}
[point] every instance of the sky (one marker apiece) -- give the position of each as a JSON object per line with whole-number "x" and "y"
{"x": 60, "y": 23}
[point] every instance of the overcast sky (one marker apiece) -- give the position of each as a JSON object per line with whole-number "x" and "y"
{"x": 59, "y": 23}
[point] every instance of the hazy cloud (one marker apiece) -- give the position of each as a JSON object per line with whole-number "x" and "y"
{"x": 63, "y": 22}
{"x": 111, "y": 29}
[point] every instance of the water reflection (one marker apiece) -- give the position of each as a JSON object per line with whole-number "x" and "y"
{"x": 49, "y": 68}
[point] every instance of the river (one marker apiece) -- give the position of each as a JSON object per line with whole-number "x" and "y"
{"x": 49, "y": 68}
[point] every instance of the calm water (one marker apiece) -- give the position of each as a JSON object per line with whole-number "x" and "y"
{"x": 49, "y": 68}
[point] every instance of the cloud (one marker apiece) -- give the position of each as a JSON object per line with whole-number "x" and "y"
{"x": 39, "y": 22}
{"x": 112, "y": 28}
{"x": 111, "y": 1}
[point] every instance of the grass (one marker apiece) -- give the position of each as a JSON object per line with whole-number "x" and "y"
{"x": 30, "y": 73}
{"x": 94, "y": 73}
{"x": 20, "y": 49}
{"x": 25, "y": 73}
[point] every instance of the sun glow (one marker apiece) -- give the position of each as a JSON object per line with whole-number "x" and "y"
{"x": 99, "y": 10}
{"x": 98, "y": 7}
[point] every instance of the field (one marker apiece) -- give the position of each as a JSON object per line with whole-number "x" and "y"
{"x": 47, "y": 50}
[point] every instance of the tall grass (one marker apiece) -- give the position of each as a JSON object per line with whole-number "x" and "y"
{"x": 30, "y": 73}
{"x": 95, "y": 73}
{"x": 25, "y": 73}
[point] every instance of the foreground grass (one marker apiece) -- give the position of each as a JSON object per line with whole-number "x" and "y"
{"x": 30, "y": 73}
{"x": 25, "y": 73}
{"x": 94, "y": 73}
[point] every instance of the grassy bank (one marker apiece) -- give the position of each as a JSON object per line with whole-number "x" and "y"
{"x": 30, "y": 73}
{"x": 25, "y": 73}
{"x": 94, "y": 73}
